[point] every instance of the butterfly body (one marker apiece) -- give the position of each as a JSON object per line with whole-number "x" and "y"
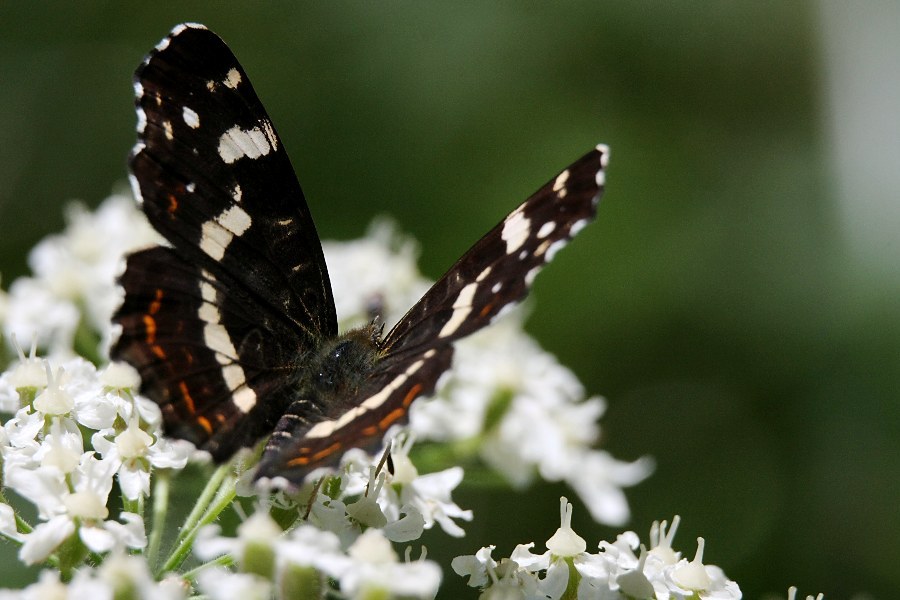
{"x": 233, "y": 326}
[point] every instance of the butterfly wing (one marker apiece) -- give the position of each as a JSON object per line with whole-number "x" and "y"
{"x": 499, "y": 269}
{"x": 495, "y": 273}
{"x": 219, "y": 320}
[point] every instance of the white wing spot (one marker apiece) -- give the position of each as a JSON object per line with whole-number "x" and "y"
{"x": 461, "y": 309}
{"x": 217, "y": 339}
{"x": 559, "y": 186}
{"x": 167, "y": 128}
{"x": 603, "y": 149}
{"x": 523, "y": 254}
{"x": 235, "y": 219}
{"x": 516, "y": 228}
{"x": 270, "y": 134}
{"x": 244, "y": 398}
{"x": 217, "y": 233}
{"x": 530, "y": 275}
{"x": 237, "y": 194}
{"x": 554, "y": 248}
{"x": 191, "y": 187}
{"x": 142, "y": 120}
{"x": 496, "y": 287}
{"x": 232, "y": 79}
{"x": 577, "y": 226}
{"x": 135, "y": 188}
{"x": 484, "y": 274}
{"x": 191, "y": 118}
{"x": 237, "y": 143}
{"x": 546, "y": 229}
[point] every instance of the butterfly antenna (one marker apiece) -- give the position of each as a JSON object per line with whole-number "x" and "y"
{"x": 313, "y": 496}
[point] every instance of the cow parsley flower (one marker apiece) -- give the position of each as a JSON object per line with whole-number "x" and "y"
{"x": 74, "y": 434}
{"x": 75, "y": 271}
{"x": 568, "y": 570}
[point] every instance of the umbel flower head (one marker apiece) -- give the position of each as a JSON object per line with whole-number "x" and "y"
{"x": 567, "y": 570}
{"x": 86, "y": 451}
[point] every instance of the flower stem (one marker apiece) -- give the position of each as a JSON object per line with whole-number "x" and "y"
{"x": 214, "y": 499}
{"x": 160, "y": 509}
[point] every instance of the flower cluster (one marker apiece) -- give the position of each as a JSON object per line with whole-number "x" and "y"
{"x": 77, "y": 431}
{"x": 616, "y": 571}
{"x": 47, "y": 462}
{"x": 83, "y": 453}
{"x": 67, "y": 304}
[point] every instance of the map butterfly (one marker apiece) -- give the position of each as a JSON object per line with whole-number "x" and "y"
{"x": 233, "y": 327}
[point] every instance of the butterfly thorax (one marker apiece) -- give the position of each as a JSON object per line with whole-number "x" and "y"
{"x": 334, "y": 374}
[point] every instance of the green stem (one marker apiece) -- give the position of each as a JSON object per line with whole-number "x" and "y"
{"x": 223, "y": 498}
{"x": 160, "y": 509}
{"x": 22, "y": 526}
{"x": 226, "y": 560}
{"x": 206, "y": 496}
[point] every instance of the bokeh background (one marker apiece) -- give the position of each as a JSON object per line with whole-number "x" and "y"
{"x": 736, "y": 302}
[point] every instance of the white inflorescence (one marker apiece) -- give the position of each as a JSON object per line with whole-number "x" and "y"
{"x": 66, "y": 421}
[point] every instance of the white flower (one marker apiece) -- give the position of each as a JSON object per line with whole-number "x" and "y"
{"x": 613, "y": 573}
{"x": 60, "y": 508}
{"x": 47, "y": 587}
{"x": 532, "y": 417}
{"x": 476, "y": 567}
{"x": 123, "y": 576}
{"x": 792, "y": 595}
{"x": 222, "y": 584}
{"x": 8, "y": 526}
{"x": 253, "y": 548}
{"x": 76, "y": 269}
{"x": 27, "y": 374}
{"x": 565, "y": 542}
{"x": 376, "y": 572}
{"x": 598, "y": 479}
{"x": 308, "y": 546}
{"x": 427, "y": 495}
{"x": 135, "y": 451}
{"x": 374, "y": 276}
{"x": 35, "y": 310}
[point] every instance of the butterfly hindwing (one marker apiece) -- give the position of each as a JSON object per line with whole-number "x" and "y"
{"x": 296, "y": 446}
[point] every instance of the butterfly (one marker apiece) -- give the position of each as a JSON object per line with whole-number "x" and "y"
{"x": 232, "y": 325}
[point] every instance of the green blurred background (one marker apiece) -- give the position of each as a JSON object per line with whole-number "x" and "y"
{"x": 736, "y": 301}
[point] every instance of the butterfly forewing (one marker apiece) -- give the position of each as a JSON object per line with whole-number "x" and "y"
{"x": 216, "y": 324}
{"x": 499, "y": 269}
{"x": 217, "y": 183}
